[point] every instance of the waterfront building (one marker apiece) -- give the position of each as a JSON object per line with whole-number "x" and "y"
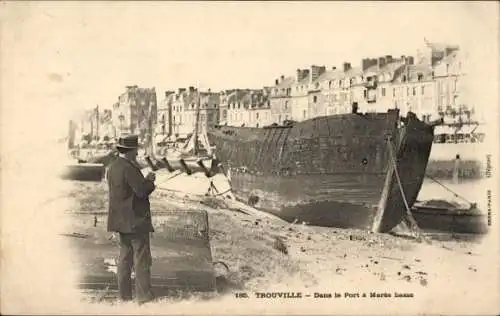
{"x": 260, "y": 108}
{"x": 164, "y": 126}
{"x": 300, "y": 95}
{"x": 281, "y": 99}
{"x": 185, "y": 104}
{"x": 431, "y": 85}
{"x": 246, "y": 107}
{"x": 136, "y": 111}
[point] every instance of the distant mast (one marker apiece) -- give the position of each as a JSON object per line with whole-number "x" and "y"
{"x": 196, "y": 128}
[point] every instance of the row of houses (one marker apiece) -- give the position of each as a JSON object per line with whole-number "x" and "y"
{"x": 430, "y": 84}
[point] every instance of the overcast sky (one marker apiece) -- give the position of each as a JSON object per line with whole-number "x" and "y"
{"x": 58, "y": 57}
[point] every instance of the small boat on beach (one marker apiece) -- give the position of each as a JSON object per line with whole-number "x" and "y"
{"x": 450, "y": 217}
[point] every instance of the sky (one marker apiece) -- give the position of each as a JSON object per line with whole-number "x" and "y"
{"x": 61, "y": 57}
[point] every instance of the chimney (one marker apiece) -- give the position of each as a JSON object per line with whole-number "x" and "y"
{"x": 410, "y": 60}
{"x": 388, "y": 59}
{"x": 305, "y": 73}
{"x": 403, "y": 58}
{"x": 182, "y": 90}
{"x": 316, "y": 71}
{"x": 381, "y": 62}
{"x": 276, "y": 81}
{"x": 209, "y": 90}
{"x": 282, "y": 78}
{"x": 168, "y": 93}
{"x": 347, "y": 66}
{"x": 191, "y": 89}
{"x": 334, "y": 68}
{"x": 365, "y": 63}
{"x": 299, "y": 75}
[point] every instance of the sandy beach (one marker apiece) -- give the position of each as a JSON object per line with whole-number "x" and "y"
{"x": 392, "y": 271}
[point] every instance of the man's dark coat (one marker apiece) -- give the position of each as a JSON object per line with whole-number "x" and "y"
{"x": 129, "y": 209}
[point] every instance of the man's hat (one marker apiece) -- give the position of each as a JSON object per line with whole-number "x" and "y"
{"x": 129, "y": 141}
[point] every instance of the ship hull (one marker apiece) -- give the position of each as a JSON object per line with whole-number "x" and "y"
{"x": 332, "y": 200}
{"x": 330, "y": 171}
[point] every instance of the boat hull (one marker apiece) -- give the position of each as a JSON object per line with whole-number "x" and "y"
{"x": 450, "y": 221}
{"x": 83, "y": 172}
{"x": 335, "y": 200}
{"x": 330, "y": 171}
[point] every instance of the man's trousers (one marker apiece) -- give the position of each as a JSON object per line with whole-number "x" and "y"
{"x": 135, "y": 252}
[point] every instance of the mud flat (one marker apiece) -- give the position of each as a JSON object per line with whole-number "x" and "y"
{"x": 267, "y": 255}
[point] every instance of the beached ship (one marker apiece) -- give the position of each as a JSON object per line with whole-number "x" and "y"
{"x": 334, "y": 170}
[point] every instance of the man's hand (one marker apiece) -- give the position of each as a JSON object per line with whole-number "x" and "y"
{"x": 151, "y": 176}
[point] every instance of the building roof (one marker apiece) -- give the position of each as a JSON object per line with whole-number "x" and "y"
{"x": 412, "y": 72}
{"x": 286, "y": 82}
{"x": 440, "y": 47}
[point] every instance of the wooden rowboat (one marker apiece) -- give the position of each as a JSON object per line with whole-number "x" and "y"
{"x": 444, "y": 216}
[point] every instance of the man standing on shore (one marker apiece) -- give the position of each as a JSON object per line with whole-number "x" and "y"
{"x": 130, "y": 216}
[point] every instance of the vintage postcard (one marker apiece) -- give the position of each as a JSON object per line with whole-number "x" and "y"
{"x": 247, "y": 158}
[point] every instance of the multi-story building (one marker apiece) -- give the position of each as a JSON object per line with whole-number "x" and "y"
{"x": 136, "y": 111}
{"x": 336, "y": 89}
{"x": 413, "y": 90}
{"x": 259, "y": 111}
{"x": 191, "y": 106}
{"x": 450, "y": 87}
{"x": 281, "y": 99}
{"x": 314, "y": 94}
{"x": 237, "y": 104}
{"x": 430, "y": 85}
{"x": 164, "y": 126}
{"x": 300, "y": 95}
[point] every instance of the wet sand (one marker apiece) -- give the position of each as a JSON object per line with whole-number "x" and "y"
{"x": 317, "y": 260}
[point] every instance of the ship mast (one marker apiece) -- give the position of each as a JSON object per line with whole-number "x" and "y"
{"x": 196, "y": 128}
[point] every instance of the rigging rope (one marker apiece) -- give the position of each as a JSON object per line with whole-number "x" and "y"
{"x": 448, "y": 189}
{"x": 403, "y": 196}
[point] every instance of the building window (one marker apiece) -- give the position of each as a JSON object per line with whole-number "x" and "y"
{"x": 420, "y": 77}
{"x": 304, "y": 113}
{"x": 414, "y": 91}
{"x": 286, "y": 105}
{"x": 330, "y": 84}
{"x": 383, "y": 92}
{"x": 257, "y": 116}
{"x": 365, "y": 94}
{"x": 408, "y": 91}
{"x": 393, "y": 92}
{"x": 423, "y": 90}
{"x": 315, "y": 99}
{"x": 404, "y": 78}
